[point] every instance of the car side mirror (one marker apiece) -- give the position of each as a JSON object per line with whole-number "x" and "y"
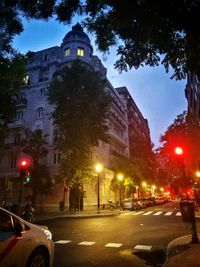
{"x": 19, "y": 228}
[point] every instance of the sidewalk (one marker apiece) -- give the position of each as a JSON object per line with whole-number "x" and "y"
{"x": 180, "y": 251}
{"x": 78, "y": 214}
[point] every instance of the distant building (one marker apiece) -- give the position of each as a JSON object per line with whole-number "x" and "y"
{"x": 192, "y": 92}
{"x": 33, "y": 112}
{"x": 137, "y": 125}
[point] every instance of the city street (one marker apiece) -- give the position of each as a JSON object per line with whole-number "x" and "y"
{"x": 137, "y": 238}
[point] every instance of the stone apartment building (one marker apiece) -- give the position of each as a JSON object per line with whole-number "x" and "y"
{"x": 33, "y": 112}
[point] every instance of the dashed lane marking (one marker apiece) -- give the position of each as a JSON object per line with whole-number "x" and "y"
{"x": 158, "y": 213}
{"x": 147, "y": 213}
{"x": 142, "y": 247}
{"x": 86, "y": 243}
{"x": 113, "y": 245}
{"x": 62, "y": 241}
{"x": 168, "y": 213}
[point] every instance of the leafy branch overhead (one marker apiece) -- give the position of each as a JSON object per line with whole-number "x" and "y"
{"x": 147, "y": 32}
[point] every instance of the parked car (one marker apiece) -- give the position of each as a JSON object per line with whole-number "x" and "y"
{"x": 130, "y": 204}
{"x": 24, "y": 244}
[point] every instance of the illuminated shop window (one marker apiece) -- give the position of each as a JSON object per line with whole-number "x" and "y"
{"x": 80, "y": 52}
{"x": 67, "y": 52}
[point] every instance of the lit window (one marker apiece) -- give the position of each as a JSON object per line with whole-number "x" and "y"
{"x": 26, "y": 79}
{"x": 80, "y": 52}
{"x": 67, "y": 52}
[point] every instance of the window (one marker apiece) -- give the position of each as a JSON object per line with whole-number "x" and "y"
{"x": 5, "y": 222}
{"x": 26, "y": 79}
{"x": 40, "y": 112}
{"x": 56, "y": 158}
{"x": 13, "y": 161}
{"x": 19, "y": 115}
{"x": 42, "y": 92}
{"x": 17, "y": 138}
{"x": 80, "y": 52}
{"x": 67, "y": 52}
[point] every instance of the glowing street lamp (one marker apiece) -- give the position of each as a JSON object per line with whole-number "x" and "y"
{"x": 197, "y": 174}
{"x": 98, "y": 168}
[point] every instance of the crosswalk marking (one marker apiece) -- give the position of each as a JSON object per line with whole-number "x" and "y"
{"x": 143, "y": 247}
{"x": 86, "y": 243}
{"x": 178, "y": 213}
{"x": 147, "y": 213}
{"x": 168, "y": 213}
{"x": 113, "y": 245}
{"x": 139, "y": 212}
{"x": 62, "y": 241}
{"x": 158, "y": 213}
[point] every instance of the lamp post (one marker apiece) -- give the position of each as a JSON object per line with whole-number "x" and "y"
{"x": 98, "y": 168}
{"x": 120, "y": 178}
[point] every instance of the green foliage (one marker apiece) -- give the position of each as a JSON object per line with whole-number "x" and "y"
{"x": 150, "y": 32}
{"x": 80, "y": 115}
{"x": 34, "y": 144}
{"x": 12, "y": 71}
{"x": 184, "y": 132}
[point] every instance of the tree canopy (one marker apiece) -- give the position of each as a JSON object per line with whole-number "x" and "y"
{"x": 147, "y": 32}
{"x": 184, "y": 133}
{"x": 81, "y": 110}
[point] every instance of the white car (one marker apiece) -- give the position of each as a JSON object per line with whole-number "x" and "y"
{"x": 23, "y": 244}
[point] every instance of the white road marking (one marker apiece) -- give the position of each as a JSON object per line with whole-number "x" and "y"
{"x": 113, "y": 245}
{"x": 62, "y": 241}
{"x": 158, "y": 213}
{"x": 178, "y": 213}
{"x": 147, "y": 213}
{"x": 86, "y": 243}
{"x": 139, "y": 212}
{"x": 142, "y": 247}
{"x": 168, "y": 213}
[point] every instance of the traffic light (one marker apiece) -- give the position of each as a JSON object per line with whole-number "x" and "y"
{"x": 24, "y": 171}
{"x": 27, "y": 178}
{"x": 178, "y": 151}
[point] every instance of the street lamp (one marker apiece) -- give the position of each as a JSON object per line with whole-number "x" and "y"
{"x": 197, "y": 174}
{"x": 98, "y": 168}
{"x": 120, "y": 178}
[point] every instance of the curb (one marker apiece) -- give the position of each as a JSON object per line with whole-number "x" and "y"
{"x": 76, "y": 216}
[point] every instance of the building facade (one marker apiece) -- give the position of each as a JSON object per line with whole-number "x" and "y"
{"x": 33, "y": 112}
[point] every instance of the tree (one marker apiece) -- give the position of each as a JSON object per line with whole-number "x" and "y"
{"x": 81, "y": 109}
{"x": 185, "y": 133}
{"x": 12, "y": 71}
{"x": 149, "y": 32}
{"x": 34, "y": 145}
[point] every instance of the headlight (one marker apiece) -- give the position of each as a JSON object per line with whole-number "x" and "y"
{"x": 48, "y": 234}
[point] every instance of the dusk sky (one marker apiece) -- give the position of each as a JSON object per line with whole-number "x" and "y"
{"x": 159, "y": 98}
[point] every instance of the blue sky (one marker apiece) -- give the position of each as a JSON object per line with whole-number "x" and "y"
{"x": 159, "y": 98}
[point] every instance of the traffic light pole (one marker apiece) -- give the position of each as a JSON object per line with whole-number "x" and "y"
{"x": 21, "y": 188}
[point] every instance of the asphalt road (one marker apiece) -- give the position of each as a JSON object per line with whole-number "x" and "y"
{"x": 131, "y": 239}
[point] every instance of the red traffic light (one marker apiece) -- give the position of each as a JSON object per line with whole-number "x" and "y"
{"x": 24, "y": 164}
{"x": 178, "y": 151}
